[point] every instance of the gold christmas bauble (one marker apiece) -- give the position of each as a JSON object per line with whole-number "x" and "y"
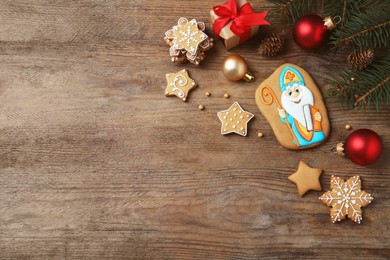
{"x": 235, "y": 68}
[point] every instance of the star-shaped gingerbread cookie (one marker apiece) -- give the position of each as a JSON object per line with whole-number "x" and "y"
{"x": 179, "y": 84}
{"x": 306, "y": 178}
{"x": 346, "y": 199}
{"x": 234, "y": 120}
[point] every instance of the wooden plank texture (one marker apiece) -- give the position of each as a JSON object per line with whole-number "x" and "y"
{"x": 97, "y": 163}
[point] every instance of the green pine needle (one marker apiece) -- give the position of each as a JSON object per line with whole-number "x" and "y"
{"x": 287, "y": 12}
{"x": 363, "y": 89}
{"x": 368, "y": 29}
{"x": 345, "y": 9}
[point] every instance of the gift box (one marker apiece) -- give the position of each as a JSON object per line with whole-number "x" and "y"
{"x": 235, "y": 22}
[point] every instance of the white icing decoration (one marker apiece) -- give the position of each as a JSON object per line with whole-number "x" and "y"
{"x": 182, "y": 83}
{"x": 296, "y": 101}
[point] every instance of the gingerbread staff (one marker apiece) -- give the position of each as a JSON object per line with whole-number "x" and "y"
{"x": 266, "y": 91}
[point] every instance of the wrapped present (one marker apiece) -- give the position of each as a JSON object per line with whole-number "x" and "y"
{"x": 235, "y": 22}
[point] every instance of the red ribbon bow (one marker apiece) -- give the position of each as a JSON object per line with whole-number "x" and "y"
{"x": 242, "y": 20}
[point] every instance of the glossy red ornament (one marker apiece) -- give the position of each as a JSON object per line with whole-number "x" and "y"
{"x": 310, "y": 32}
{"x": 362, "y": 147}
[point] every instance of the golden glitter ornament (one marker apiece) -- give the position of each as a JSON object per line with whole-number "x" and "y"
{"x": 235, "y": 68}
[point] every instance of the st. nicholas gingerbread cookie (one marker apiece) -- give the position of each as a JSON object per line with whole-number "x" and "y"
{"x": 293, "y": 106}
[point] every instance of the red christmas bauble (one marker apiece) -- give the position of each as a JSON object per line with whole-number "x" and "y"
{"x": 363, "y": 146}
{"x": 310, "y": 32}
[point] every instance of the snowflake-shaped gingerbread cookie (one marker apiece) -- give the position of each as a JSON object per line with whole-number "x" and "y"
{"x": 187, "y": 35}
{"x": 188, "y": 41}
{"x": 346, "y": 199}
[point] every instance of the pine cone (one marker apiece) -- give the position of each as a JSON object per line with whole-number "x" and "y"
{"x": 271, "y": 45}
{"x": 360, "y": 59}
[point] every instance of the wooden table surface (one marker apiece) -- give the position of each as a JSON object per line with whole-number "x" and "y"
{"x": 97, "y": 163}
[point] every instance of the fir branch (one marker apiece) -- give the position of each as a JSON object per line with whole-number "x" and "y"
{"x": 363, "y": 98}
{"x": 370, "y": 28}
{"x": 343, "y": 13}
{"x": 345, "y": 8}
{"x": 363, "y": 89}
{"x": 287, "y": 12}
{"x": 346, "y": 40}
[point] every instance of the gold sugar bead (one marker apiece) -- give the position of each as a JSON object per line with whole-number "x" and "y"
{"x": 208, "y": 94}
{"x": 201, "y": 107}
{"x": 348, "y": 126}
{"x": 226, "y": 95}
{"x": 260, "y": 134}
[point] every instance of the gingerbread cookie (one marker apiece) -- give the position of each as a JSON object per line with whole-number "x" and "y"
{"x": 179, "y": 84}
{"x": 188, "y": 41}
{"x": 234, "y": 120}
{"x": 293, "y": 106}
{"x": 346, "y": 199}
{"x": 306, "y": 178}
